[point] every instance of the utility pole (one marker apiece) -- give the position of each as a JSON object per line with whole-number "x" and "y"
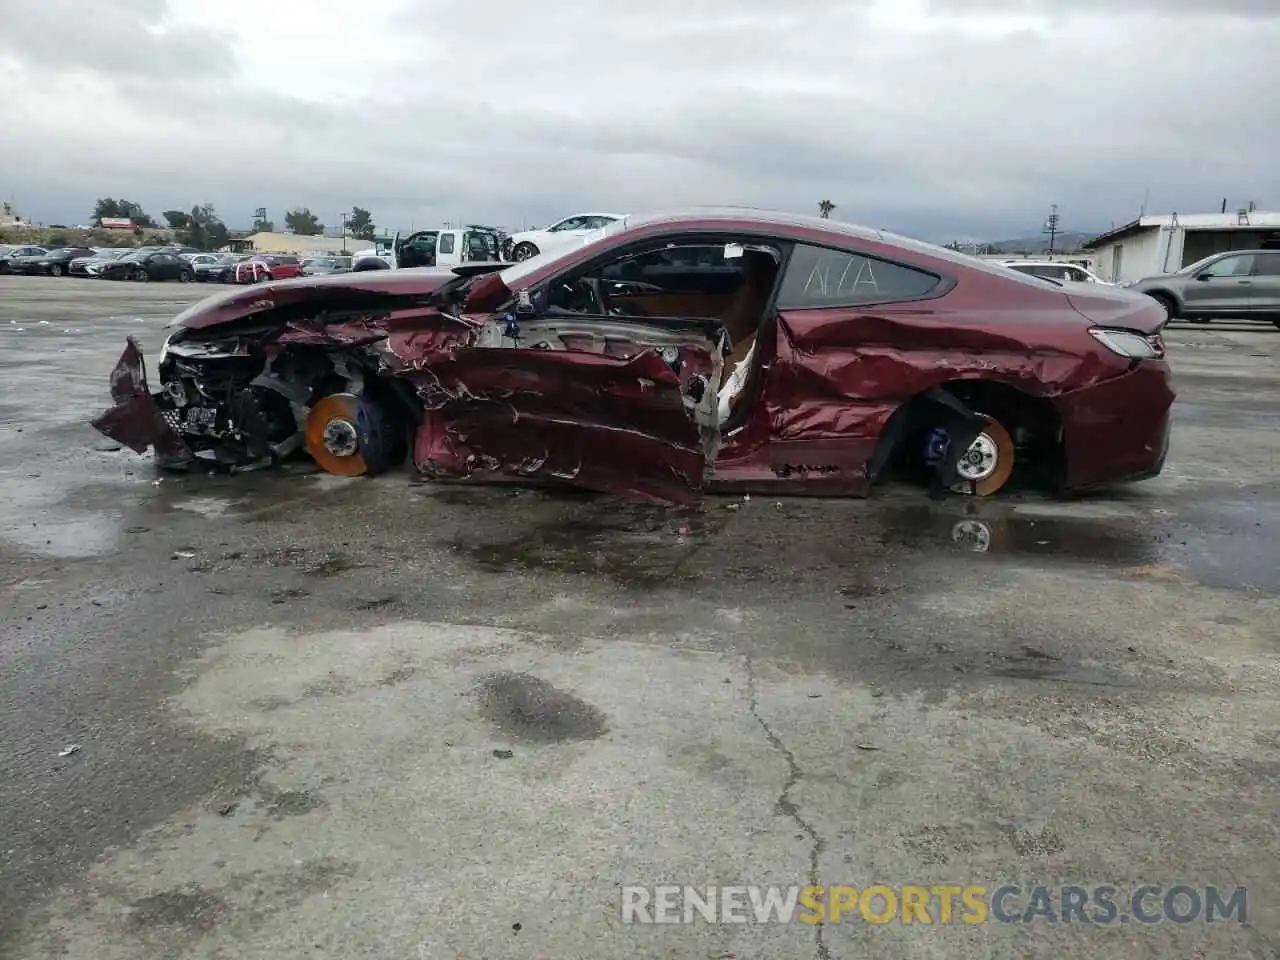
{"x": 1051, "y": 226}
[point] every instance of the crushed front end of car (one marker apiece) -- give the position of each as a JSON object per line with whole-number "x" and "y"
{"x": 248, "y": 378}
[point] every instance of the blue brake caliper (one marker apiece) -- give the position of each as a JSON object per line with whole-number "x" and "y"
{"x": 937, "y": 445}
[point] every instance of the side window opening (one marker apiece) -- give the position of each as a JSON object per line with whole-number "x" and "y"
{"x": 731, "y": 282}
{"x": 821, "y": 277}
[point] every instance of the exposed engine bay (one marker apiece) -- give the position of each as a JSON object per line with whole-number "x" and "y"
{"x": 240, "y": 405}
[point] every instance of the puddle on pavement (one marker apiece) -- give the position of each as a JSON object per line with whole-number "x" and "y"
{"x": 486, "y": 495}
{"x": 641, "y": 545}
{"x": 1117, "y": 541}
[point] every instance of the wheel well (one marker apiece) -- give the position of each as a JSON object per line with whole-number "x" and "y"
{"x": 1165, "y": 297}
{"x": 1032, "y": 421}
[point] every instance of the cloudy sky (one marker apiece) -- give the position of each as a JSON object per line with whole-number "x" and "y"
{"x": 937, "y": 118}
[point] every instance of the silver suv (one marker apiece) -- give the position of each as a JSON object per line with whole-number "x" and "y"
{"x": 1238, "y": 285}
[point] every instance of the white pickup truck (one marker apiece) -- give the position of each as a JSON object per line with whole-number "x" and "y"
{"x": 434, "y": 248}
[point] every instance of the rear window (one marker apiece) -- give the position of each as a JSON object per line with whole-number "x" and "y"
{"x": 821, "y": 277}
{"x": 446, "y": 243}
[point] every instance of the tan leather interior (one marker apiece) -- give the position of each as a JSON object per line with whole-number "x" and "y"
{"x": 739, "y": 352}
{"x": 742, "y": 316}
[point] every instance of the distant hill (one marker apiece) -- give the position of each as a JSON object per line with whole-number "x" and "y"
{"x": 1040, "y": 244}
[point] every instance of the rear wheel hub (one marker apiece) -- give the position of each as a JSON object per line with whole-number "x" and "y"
{"x": 980, "y": 460}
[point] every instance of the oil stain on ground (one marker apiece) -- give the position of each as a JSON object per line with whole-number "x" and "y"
{"x": 191, "y": 908}
{"x": 529, "y": 709}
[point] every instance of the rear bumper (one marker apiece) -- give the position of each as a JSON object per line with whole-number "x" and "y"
{"x": 1118, "y": 431}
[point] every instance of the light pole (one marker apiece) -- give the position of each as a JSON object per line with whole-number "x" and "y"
{"x": 344, "y": 233}
{"x": 1051, "y": 226}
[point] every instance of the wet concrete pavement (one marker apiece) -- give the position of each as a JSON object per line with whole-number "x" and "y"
{"x": 374, "y": 718}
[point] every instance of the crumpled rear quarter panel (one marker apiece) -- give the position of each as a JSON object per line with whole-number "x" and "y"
{"x": 842, "y": 374}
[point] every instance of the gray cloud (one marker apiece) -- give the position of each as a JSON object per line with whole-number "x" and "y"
{"x": 114, "y": 38}
{"x": 940, "y": 133}
{"x": 1217, "y": 10}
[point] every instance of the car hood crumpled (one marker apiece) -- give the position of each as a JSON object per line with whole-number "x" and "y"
{"x": 239, "y": 303}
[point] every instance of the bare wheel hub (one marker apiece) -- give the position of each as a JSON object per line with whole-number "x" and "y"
{"x": 341, "y": 439}
{"x": 980, "y": 460}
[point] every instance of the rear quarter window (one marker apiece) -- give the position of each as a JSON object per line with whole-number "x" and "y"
{"x": 821, "y": 277}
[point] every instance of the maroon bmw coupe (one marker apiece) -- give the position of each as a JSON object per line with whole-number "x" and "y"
{"x": 722, "y": 349}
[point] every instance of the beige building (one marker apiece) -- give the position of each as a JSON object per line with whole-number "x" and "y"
{"x": 295, "y": 244}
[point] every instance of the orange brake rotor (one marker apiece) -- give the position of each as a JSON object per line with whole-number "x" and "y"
{"x": 333, "y": 439}
{"x": 1003, "y": 443}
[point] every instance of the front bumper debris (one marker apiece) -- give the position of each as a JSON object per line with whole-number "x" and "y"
{"x": 135, "y": 420}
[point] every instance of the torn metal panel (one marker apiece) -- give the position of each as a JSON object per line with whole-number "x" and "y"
{"x": 135, "y": 420}
{"x": 632, "y": 415}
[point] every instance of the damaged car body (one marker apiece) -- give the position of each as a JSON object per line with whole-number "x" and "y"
{"x": 725, "y": 350}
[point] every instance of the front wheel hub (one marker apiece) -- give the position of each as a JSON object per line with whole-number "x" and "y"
{"x": 332, "y": 437}
{"x": 340, "y": 438}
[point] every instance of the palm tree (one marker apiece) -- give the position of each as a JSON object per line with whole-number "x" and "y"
{"x": 824, "y": 208}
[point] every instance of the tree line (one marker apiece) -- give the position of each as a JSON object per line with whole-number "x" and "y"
{"x": 202, "y": 227}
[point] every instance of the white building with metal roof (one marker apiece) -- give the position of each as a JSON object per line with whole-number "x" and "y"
{"x": 1164, "y": 243}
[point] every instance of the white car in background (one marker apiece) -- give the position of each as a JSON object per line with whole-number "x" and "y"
{"x": 530, "y": 243}
{"x": 1053, "y": 270}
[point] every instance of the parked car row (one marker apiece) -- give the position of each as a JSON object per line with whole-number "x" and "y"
{"x": 160, "y": 263}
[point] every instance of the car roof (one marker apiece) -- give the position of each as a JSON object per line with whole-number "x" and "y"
{"x": 1042, "y": 263}
{"x": 1223, "y": 253}
{"x": 746, "y": 218}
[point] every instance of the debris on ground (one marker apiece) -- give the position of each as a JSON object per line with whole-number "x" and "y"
{"x": 69, "y": 749}
{"x": 504, "y": 754}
